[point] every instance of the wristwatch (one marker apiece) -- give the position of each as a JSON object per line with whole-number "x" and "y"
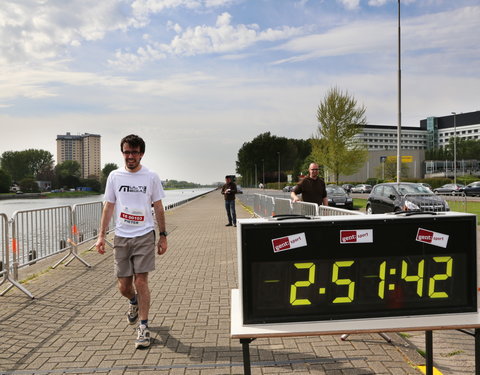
{"x": 163, "y": 234}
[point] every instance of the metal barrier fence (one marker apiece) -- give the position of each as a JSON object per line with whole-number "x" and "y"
{"x": 265, "y": 206}
{"x": 305, "y": 208}
{"x": 6, "y": 269}
{"x": 38, "y": 234}
{"x": 3, "y": 243}
{"x": 334, "y": 211}
{"x": 41, "y": 233}
{"x": 457, "y": 202}
{"x": 86, "y": 219}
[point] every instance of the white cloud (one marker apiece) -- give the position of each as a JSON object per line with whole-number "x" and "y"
{"x": 458, "y": 32}
{"x": 350, "y": 4}
{"x": 41, "y": 30}
{"x": 377, "y": 3}
{"x": 221, "y": 38}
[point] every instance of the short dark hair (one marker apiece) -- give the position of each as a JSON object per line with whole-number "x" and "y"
{"x": 133, "y": 141}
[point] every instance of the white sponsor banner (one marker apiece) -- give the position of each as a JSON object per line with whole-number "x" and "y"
{"x": 356, "y": 236}
{"x": 289, "y": 242}
{"x": 432, "y": 238}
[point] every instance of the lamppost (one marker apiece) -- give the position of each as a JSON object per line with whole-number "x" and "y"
{"x": 399, "y": 119}
{"x": 454, "y": 147}
{"x": 263, "y": 170}
{"x": 278, "y": 170}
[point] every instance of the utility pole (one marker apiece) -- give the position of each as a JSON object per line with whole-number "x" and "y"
{"x": 399, "y": 119}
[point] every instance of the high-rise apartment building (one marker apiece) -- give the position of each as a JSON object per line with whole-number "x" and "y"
{"x": 84, "y": 148}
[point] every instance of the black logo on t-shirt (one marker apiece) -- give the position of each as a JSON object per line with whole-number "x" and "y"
{"x": 133, "y": 189}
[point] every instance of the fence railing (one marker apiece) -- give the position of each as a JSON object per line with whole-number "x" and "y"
{"x": 38, "y": 234}
{"x": 41, "y": 233}
{"x": 3, "y": 243}
{"x": 265, "y": 206}
{"x": 6, "y": 269}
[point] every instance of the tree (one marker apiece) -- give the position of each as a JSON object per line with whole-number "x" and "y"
{"x": 5, "y": 181}
{"x": 27, "y": 163}
{"x": 68, "y": 174}
{"x": 388, "y": 171}
{"x": 334, "y": 144}
{"x": 264, "y": 152}
{"x": 107, "y": 169}
{"x": 91, "y": 182}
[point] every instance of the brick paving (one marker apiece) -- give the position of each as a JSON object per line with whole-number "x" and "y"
{"x": 76, "y": 324}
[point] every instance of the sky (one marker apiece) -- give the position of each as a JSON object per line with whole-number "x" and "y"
{"x": 198, "y": 78}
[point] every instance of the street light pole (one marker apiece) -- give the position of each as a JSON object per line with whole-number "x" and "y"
{"x": 454, "y": 147}
{"x": 263, "y": 167}
{"x": 278, "y": 170}
{"x": 399, "y": 120}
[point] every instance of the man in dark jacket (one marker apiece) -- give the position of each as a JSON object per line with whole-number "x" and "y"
{"x": 229, "y": 190}
{"x": 311, "y": 187}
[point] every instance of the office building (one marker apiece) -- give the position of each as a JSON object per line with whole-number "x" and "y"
{"x": 433, "y": 132}
{"x": 84, "y": 149}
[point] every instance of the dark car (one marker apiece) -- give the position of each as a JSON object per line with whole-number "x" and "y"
{"x": 337, "y": 197}
{"x": 472, "y": 189}
{"x": 404, "y": 196}
{"x": 347, "y": 187}
{"x": 361, "y": 188}
{"x": 453, "y": 189}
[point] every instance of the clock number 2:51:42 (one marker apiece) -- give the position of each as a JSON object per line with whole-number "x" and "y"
{"x": 417, "y": 277}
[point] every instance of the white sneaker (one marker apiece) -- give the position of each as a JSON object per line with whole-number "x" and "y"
{"x": 143, "y": 337}
{"x": 132, "y": 314}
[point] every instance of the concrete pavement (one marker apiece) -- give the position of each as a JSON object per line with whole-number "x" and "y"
{"x": 77, "y": 325}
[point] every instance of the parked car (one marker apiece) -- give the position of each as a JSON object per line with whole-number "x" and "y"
{"x": 347, "y": 187}
{"x": 404, "y": 196}
{"x": 361, "y": 188}
{"x": 452, "y": 189}
{"x": 338, "y": 197}
{"x": 426, "y": 185}
{"x": 472, "y": 189}
{"x": 287, "y": 189}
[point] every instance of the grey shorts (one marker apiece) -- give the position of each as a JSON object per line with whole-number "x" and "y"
{"x": 134, "y": 255}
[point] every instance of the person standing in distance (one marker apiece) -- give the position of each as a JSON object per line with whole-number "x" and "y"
{"x": 229, "y": 190}
{"x": 311, "y": 187}
{"x": 129, "y": 194}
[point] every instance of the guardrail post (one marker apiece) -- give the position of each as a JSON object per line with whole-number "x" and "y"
{"x": 73, "y": 253}
{"x": 6, "y": 248}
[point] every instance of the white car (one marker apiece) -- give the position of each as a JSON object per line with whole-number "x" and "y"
{"x": 361, "y": 188}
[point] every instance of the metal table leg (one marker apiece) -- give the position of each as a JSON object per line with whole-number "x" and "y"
{"x": 246, "y": 355}
{"x": 429, "y": 352}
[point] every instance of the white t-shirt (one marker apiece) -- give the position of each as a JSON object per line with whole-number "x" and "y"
{"x": 133, "y": 195}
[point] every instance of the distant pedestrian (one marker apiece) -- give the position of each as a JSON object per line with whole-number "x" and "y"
{"x": 229, "y": 190}
{"x": 260, "y": 186}
{"x": 311, "y": 187}
{"x": 130, "y": 193}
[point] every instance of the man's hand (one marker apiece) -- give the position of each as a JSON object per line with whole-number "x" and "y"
{"x": 162, "y": 245}
{"x": 100, "y": 245}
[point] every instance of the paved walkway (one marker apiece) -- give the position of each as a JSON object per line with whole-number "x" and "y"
{"x": 76, "y": 324}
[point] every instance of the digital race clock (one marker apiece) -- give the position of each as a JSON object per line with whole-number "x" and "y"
{"x": 357, "y": 267}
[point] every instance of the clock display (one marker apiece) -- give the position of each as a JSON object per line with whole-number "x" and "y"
{"x": 305, "y": 271}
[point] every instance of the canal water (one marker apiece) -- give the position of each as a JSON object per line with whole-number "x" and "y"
{"x": 9, "y": 206}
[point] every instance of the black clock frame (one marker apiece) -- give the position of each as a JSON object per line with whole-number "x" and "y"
{"x": 394, "y": 240}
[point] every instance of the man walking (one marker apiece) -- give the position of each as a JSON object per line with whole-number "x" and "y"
{"x": 130, "y": 193}
{"x": 229, "y": 190}
{"x": 311, "y": 187}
